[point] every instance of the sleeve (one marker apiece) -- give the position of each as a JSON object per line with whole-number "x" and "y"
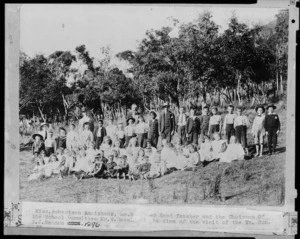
{"x": 224, "y": 123}
{"x": 68, "y": 141}
{"x": 234, "y": 123}
{"x": 278, "y": 122}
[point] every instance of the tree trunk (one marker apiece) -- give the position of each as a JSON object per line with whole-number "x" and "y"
{"x": 277, "y": 82}
{"x": 41, "y": 113}
{"x": 281, "y": 83}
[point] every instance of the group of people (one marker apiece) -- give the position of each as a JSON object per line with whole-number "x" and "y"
{"x": 131, "y": 151}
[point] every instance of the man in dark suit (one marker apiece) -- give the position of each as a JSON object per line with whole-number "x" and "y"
{"x": 153, "y": 129}
{"x": 99, "y": 133}
{"x": 192, "y": 127}
{"x": 166, "y": 126}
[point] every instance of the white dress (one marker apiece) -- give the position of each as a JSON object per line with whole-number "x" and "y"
{"x": 217, "y": 146}
{"x": 233, "y": 152}
{"x": 171, "y": 159}
{"x": 205, "y": 152}
{"x": 72, "y": 139}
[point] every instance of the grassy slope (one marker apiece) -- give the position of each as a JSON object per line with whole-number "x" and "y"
{"x": 258, "y": 181}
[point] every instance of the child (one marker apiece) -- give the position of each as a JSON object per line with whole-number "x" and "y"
{"x": 272, "y": 127}
{"x": 86, "y": 135}
{"x": 141, "y": 130}
{"x": 129, "y": 131}
{"x": 117, "y": 147}
{"x": 218, "y": 146}
{"x": 193, "y": 160}
{"x": 149, "y": 150}
{"x": 99, "y": 134}
{"x": 72, "y": 137}
{"x": 123, "y": 168}
{"x": 169, "y": 156}
{"x": 241, "y": 123}
{"x": 234, "y": 151}
{"x": 60, "y": 153}
{"x": 111, "y": 129}
{"x": 153, "y": 129}
{"x": 50, "y": 145}
{"x": 144, "y": 168}
{"x": 134, "y": 169}
{"x": 38, "y": 145}
{"x": 258, "y": 130}
{"x": 38, "y": 170}
{"x": 185, "y": 149}
{"x": 112, "y": 168}
{"x": 106, "y": 146}
{"x": 120, "y": 135}
{"x": 132, "y": 148}
{"x": 206, "y": 150}
{"x": 215, "y": 122}
{"x": 158, "y": 167}
{"x": 61, "y": 141}
{"x": 228, "y": 126}
{"x": 204, "y": 123}
{"x": 192, "y": 127}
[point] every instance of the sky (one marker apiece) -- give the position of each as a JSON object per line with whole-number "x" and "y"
{"x": 46, "y": 28}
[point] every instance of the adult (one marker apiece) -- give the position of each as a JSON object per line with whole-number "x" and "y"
{"x": 166, "y": 124}
{"x": 83, "y": 120}
{"x": 153, "y": 129}
{"x": 192, "y": 127}
{"x": 133, "y": 113}
{"x": 99, "y": 134}
{"x": 181, "y": 121}
{"x": 204, "y": 123}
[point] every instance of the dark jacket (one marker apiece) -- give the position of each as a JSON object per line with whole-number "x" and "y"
{"x": 161, "y": 124}
{"x": 153, "y": 128}
{"x": 103, "y": 132}
{"x": 272, "y": 121}
{"x": 192, "y": 125}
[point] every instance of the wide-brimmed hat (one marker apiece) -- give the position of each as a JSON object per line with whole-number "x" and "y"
{"x": 131, "y": 118}
{"x": 62, "y": 128}
{"x": 37, "y": 134}
{"x": 153, "y": 112}
{"x": 166, "y": 104}
{"x": 271, "y": 106}
{"x": 44, "y": 124}
{"x": 100, "y": 120}
{"x": 260, "y": 107}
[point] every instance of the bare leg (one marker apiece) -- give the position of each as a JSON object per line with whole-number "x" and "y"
{"x": 257, "y": 150}
{"x": 261, "y": 149}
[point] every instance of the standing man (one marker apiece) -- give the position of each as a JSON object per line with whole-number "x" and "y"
{"x": 166, "y": 124}
{"x": 272, "y": 127}
{"x": 83, "y": 120}
{"x": 192, "y": 127}
{"x": 99, "y": 134}
{"x": 181, "y": 124}
{"x": 153, "y": 129}
{"x": 204, "y": 123}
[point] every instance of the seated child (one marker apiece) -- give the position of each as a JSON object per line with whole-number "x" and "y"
{"x": 123, "y": 167}
{"x": 50, "y": 144}
{"x": 134, "y": 172}
{"x": 60, "y": 153}
{"x": 234, "y": 151}
{"x": 144, "y": 168}
{"x": 150, "y": 151}
{"x": 52, "y": 164}
{"x": 158, "y": 167}
{"x": 106, "y": 146}
{"x": 206, "y": 150}
{"x": 193, "y": 159}
{"x": 38, "y": 170}
{"x": 111, "y": 167}
{"x": 218, "y": 146}
{"x": 38, "y": 144}
{"x": 117, "y": 146}
{"x": 185, "y": 149}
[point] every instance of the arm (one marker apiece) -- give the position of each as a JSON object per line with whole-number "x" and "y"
{"x": 278, "y": 124}
{"x": 221, "y": 123}
{"x": 224, "y": 123}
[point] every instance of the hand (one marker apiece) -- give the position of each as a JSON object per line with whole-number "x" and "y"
{"x": 277, "y": 132}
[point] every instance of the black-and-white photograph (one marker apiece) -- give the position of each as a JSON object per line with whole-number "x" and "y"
{"x": 153, "y": 104}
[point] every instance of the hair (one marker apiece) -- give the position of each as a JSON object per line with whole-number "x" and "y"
{"x": 100, "y": 121}
{"x": 231, "y": 106}
{"x": 107, "y": 138}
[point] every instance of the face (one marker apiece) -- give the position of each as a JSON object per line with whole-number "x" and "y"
{"x": 130, "y": 121}
{"x": 86, "y": 127}
{"x": 111, "y": 158}
{"x": 238, "y": 112}
{"x": 37, "y": 138}
{"x": 213, "y": 111}
{"x": 192, "y": 112}
{"x": 259, "y": 111}
{"x": 148, "y": 145}
{"x": 270, "y": 110}
{"x": 72, "y": 127}
{"x": 232, "y": 140}
{"x": 141, "y": 153}
{"x": 141, "y": 119}
{"x": 192, "y": 150}
{"x": 206, "y": 140}
{"x": 110, "y": 121}
{"x": 181, "y": 110}
{"x": 100, "y": 123}
{"x": 152, "y": 116}
{"x": 43, "y": 154}
{"x": 205, "y": 111}
{"x": 230, "y": 109}
{"x": 120, "y": 126}
{"x": 115, "y": 154}
{"x": 117, "y": 144}
{"x": 62, "y": 133}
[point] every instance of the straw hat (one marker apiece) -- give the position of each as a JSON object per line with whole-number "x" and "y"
{"x": 37, "y": 134}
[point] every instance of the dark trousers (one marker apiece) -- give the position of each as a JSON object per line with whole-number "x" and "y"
{"x": 241, "y": 135}
{"x": 229, "y": 131}
{"x": 181, "y": 134}
{"x": 154, "y": 140}
{"x": 127, "y": 139}
{"x": 272, "y": 138}
{"x": 214, "y": 128}
{"x": 99, "y": 141}
{"x": 193, "y": 137}
{"x": 141, "y": 138}
{"x": 122, "y": 142}
{"x": 166, "y": 134}
{"x": 49, "y": 151}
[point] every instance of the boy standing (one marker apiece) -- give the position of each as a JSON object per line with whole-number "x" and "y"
{"x": 258, "y": 130}
{"x": 181, "y": 124}
{"x": 229, "y": 123}
{"x": 272, "y": 126}
{"x": 241, "y": 123}
{"x": 153, "y": 129}
{"x": 215, "y": 122}
{"x": 204, "y": 123}
{"x": 99, "y": 134}
{"x": 192, "y": 127}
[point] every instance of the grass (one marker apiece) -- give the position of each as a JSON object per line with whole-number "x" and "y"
{"x": 257, "y": 181}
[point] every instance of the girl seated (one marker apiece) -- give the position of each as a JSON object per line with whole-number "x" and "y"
{"x": 158, "y": 167}
{"x": 117, "y": 146}
{"x": 193, "y": 160}
{"x": 134, "y": 172}
{"x": 234, "y": 151}
{"x": 150, "y": 151}
{"x": 206, "y": 150}
{"x": 133, "y": 149}
{"x": 60, "y": 153}
{"x": 38, "y": 145}
{"x": 38, "y": 170}
{"x": 53, "y": 163}
{"x": 218, "y": 146}
{"x": 112, "y": 168}
{"x": 185, "y": 149}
